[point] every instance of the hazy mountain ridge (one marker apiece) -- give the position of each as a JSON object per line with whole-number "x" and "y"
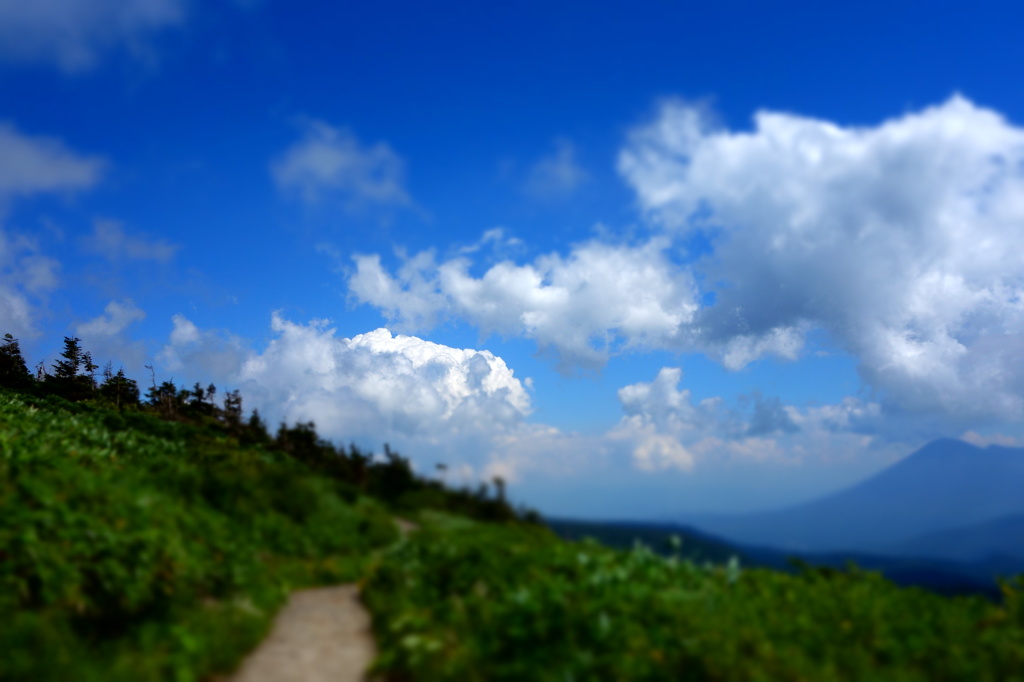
{"x": 979, "y": 541}
{"x": 945, "y": 485}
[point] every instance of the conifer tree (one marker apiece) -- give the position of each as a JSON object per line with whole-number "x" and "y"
{"x": 67, "y": 369}
{"x": 13, "y": 371}
{"x": 66, "y": 380}
{"x": 119, "y": 389}
{"x": 233, "y": 409}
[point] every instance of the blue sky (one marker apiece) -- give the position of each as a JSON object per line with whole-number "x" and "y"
{"x": 637, "y": 259}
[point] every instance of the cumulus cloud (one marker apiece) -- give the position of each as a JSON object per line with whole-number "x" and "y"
{"x": 555, "y": 176}
{"x": 73, "y": 33}
{"x": 328, "y": 161}
{"x": 105, "y": 335}
{"x": 664, "y": 428}
{"x": 32, "y": 164}
{"x": 377, "y": 383}
{"x": 463, "y": 407}
{"x": 576, "y": 308}
{"x": 116, "y": 317}
{"x": 209, "y": 354}
{"x": 111, "y": 241}
{"x": 900, "y": 240}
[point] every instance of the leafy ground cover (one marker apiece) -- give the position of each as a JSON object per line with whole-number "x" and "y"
{"x": 133, "y": 548}
{"x": 486, "y": 602}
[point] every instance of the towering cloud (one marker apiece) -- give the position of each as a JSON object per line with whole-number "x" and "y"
{"x": 900, "y": 240}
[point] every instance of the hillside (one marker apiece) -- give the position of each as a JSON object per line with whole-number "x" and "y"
{"x": 136, "y": 548}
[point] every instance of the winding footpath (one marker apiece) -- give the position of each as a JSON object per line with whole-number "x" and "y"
{"x": 322, "y": 634}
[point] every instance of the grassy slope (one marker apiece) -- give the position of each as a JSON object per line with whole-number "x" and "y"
{"x": 136, "y": 549}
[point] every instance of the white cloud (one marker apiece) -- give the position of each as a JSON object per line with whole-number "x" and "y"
{"x": 105, "y": 336}
{"x": 900, "y": 240}
{"x": 115, "y": 319}
{"x": 26, "y": 278}
{"x": 431, "y": 402}
{"x": 982, "y": 441}
{"x": 556, "y": 176}
{"x": 494, "y": 239}
{"x": 31, "y": 164}
{"x": 663, "y": 429}
{"x": 376, "y": 383}
{"x": 330, "y": 161}
{"x": 575, "y": 307}
{"x": 73, "y": 33}
{"x": 206, "y": 355}
{"x": 110, "y": 240}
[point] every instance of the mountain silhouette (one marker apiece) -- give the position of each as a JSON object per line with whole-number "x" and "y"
{"x": 947, "y": 484}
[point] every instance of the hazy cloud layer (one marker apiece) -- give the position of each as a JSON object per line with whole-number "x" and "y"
{"x": 30, "y": 163}
{"x": 111, "y": 241}
{"x": 901, "y": 240}
{"x": 73, "y": 33}
{"x": 329, "y": 161}
{"x": 578, "y": 308}
{"x": 555, "y": 176}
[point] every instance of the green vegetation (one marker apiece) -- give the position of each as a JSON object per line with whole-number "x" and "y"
{"x": 155, "y": 551}
{"x": 488, "y": 602}
{"x": 154, "y": 540}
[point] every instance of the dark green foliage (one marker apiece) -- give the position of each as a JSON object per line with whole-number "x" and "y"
{"x": 118, "y": 390}
{"x": 137, "y": 549}
{"x": 13, "y": 371}
{"x": 515, "y": 603}
{"x": 68, "y": 380}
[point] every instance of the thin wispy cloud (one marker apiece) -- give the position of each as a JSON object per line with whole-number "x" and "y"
{"x": 556, "y": 176}
{"x": 74, "y": 34}
{"x": 110, "y": 240}
{"x": 30, "y": 164}
{"x": 329, "y": 162}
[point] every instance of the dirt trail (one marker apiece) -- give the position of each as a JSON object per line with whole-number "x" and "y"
{"x": 321, "y": 634}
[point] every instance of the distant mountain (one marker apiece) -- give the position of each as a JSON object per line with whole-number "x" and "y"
{"x": 975, "y": 542}
{"x": 946, "y": 484}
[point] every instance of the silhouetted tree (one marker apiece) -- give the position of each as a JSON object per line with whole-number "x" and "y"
{"x": 118, "y": 389}
{"x": 66, "y": 381}
{"x": 89, "y": 370}
{"x": 256, "y": 430}
{"x": 165, "y": 398}
{"x": 233, "y": 410}
{"x": 13, "y": 371}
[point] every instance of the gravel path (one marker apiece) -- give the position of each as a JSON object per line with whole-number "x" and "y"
{"x": 322, "y": 634}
